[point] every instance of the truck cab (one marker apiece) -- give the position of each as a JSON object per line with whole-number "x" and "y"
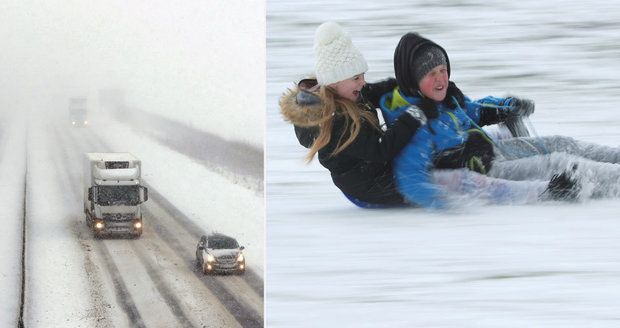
{"x": 113, "y": 194}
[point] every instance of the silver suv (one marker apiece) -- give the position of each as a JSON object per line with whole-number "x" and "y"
{"x": 220, "y": 253}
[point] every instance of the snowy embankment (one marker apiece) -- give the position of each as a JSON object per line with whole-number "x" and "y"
{"x": 12, "y": 174}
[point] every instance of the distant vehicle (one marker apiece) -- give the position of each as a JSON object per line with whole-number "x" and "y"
{"x": 78, "y": 113}
{"x": 113, "y": 193}
{"x": 220, "y": 253}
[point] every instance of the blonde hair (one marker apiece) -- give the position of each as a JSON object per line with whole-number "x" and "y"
{"x": 354, "y": 114}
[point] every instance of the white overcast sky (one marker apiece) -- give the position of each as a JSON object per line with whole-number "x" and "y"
{"x": 195, "y": 61}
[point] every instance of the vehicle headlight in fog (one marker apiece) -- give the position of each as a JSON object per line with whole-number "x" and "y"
{"x": 210, "y": 258}
{"x": 73, "y": 122}
{"x": 85, "y": 122}
{"x": 137, "y": 225}
{"x": 99, "y": 225}
{"x": 240, "y": 257}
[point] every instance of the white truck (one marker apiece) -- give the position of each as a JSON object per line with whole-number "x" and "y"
{"x": 113, "y": 194}
{"x": 78, "y": 113}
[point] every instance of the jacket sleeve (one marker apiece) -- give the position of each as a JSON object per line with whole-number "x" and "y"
{"x": 371, "y": 145}
{"x": 306, "y": 135}
{"x": 412, "y": 169}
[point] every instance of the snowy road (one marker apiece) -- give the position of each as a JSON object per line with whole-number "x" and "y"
{"x": 75, "y": 280}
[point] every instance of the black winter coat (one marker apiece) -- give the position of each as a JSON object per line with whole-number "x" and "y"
{"x": 363, "y": 170}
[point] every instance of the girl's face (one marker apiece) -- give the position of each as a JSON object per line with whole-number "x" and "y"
{"x": 350, "y": 88}
{"x": 434, "y": 84}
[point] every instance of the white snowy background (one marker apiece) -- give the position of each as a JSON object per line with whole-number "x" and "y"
{"x": 198, "y": 63}
{"x": 544, "y": 265}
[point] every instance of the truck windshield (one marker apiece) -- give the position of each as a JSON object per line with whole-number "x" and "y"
{"x": 118, "y": 195}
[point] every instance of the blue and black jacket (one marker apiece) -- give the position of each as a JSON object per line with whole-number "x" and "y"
{"x": 453, "y": 139}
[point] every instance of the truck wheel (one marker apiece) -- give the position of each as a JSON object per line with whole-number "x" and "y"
{"x": 204, "y": 269}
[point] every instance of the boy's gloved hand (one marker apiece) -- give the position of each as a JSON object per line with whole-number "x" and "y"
{"x": 564, "y": 186}
{"x": 521, "y": 107}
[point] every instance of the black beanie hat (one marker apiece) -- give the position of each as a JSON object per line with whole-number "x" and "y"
{"x": 414, "y": 57}
{"x": 427, "y": 58}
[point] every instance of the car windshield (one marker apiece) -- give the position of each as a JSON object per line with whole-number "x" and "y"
{"x": 118, "y": 195}
{"x": 223, "y": 243}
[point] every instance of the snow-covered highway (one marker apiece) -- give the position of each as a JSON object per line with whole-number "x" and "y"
{"x": 72, "y": 279}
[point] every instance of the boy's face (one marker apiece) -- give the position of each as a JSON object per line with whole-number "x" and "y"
{"x": 434, "y": 84}
{"x": 350, "y": 88}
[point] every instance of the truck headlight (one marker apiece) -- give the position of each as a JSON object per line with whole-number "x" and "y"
{"x": 210, "y": 258}
{"x": 137, "y": 225}
{"x": 99, "y": 225}
{"x": 240, "y": 257}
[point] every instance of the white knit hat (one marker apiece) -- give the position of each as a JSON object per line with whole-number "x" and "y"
{"x": 335, "y": 57}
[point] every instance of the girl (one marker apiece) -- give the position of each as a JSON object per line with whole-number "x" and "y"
{"x": 335, "y": 117}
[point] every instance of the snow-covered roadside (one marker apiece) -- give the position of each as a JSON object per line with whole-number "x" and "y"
{"x": 209, "y": 199}
{"x": 56, "y": 279}
{"x": 12, "y": 173}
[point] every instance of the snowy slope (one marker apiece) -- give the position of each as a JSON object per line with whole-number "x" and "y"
{"x": 545, "y": 265}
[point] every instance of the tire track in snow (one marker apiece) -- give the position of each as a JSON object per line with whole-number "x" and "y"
{"x": 123, "y": 297}
{"x": 167, "y": 294}
{"x": 100, "y": 305}
{"x": 19, "y": 316}
{"x": 22, "y": 299}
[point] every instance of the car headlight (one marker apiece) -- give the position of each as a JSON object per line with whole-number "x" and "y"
{"x": 240, "y": 257}
{"x": 210, "y": 258}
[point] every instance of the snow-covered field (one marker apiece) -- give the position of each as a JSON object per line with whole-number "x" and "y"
{"x": 544, "y": 265}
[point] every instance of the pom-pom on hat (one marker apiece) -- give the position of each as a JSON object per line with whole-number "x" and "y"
{"x": 335, "y": 57}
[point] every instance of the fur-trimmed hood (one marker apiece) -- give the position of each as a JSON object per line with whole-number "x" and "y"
{"x": 302, "y": 105}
